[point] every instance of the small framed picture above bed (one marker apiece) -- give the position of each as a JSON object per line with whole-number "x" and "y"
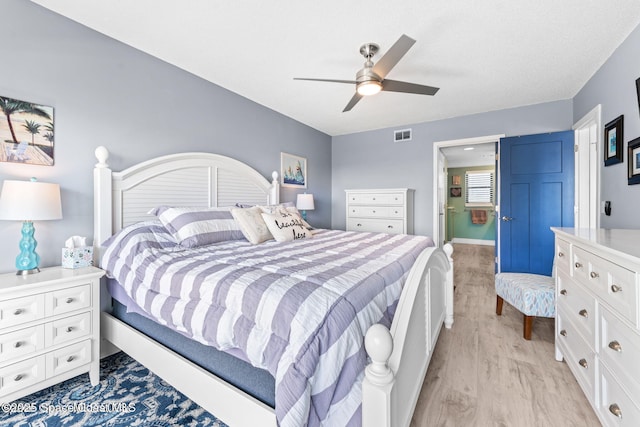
{"x": 294, "y": 170}
{"x": 634, "y": 162}
{"x": 613, "y": 141}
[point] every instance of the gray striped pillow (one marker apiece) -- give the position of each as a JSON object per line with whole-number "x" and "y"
{"x": 193, "y": 227}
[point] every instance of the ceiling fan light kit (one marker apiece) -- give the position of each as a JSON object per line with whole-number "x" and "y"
{"x": 371, "y": 78}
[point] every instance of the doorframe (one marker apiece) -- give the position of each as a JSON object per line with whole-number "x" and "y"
{"x": 436, "y": 192}
{"x": 587, "y": 164}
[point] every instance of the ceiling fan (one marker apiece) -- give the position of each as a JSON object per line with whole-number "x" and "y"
{"x": 371, "y": 79}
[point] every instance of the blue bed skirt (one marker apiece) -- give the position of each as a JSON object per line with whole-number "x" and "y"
{"x": 254, "y": 381}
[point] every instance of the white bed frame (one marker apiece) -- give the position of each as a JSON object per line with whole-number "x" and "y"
{"x": 400, "y": 356}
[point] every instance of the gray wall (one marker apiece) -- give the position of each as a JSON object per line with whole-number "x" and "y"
{"x": 613, "y": 86}
{"x": 373, "y": 160}
{"x": 107, "y": 93}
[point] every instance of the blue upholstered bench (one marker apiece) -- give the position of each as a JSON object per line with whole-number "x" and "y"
{"x": 532, "y": 294}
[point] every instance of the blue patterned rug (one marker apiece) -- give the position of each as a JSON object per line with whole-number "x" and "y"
{"x": 127, "y": 395}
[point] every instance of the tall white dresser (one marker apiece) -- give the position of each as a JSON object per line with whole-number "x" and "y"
{"x": 597, "y": 323}
{"x": 380, "y": 210}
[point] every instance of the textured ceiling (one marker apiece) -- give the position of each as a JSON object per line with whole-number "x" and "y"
{"x": 484, "y": 55}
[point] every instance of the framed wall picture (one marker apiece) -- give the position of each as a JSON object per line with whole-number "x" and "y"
{"x": 455, "y": 192}
{"x": 633, "y": 156}
{"x": 294, "y": 170}
{"x": 613, "y": 141}
{"x": 638, "y": 93}
{"x": 455, "y": 179}
{"x": 26, "y": 132}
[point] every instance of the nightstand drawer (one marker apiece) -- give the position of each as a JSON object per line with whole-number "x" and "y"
{"x": 69, "y": 299}
{"x": 68, "y": 358}
{"x": 21, "y": 343}
{"x": 21, "y": 310}
{"x": 22, "y": 374}
{"x": 67, "y": 329}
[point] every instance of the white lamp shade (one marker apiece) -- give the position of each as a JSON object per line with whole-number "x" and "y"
{"x": 30, "y": 201}
{"x": 305, "y": 202}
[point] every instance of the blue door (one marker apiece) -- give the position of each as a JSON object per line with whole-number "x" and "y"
{"x": 536, "y": 193}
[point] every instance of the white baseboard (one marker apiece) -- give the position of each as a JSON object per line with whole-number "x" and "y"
{"x": 473, "y": 241}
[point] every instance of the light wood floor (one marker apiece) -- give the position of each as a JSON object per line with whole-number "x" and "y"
{"x": 483, "y": 373}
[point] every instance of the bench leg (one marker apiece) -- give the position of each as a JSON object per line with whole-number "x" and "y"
{"x": 528, "y": 326}
{"x": 499, "y": 302}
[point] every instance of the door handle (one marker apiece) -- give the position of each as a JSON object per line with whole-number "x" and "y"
{"x": 506, "y": 218}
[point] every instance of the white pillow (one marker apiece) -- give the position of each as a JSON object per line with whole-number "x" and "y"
{"x": 295, "y": 211}
{"x": 251, "y": 224}
{"x": 285, "y": 226}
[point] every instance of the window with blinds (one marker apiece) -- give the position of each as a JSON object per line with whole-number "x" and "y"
{"x": 479, "y": 188}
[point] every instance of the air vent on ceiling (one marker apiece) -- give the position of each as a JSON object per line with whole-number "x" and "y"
{"x": 402, "y": 135}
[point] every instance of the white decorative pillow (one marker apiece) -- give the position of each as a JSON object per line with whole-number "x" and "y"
{"x": 193, "y": 227}
{"x": 285, "y": 226}
{"x": 295, "y": 211}
{"x": 251, "y": 224}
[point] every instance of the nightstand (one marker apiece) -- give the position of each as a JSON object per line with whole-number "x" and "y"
{"x": 49, "y": 329}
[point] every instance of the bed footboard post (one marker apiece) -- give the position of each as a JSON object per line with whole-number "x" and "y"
{"x": 102, "y": 202}
{"x": 378, "y": 380}
{"x": 448, "y": 319}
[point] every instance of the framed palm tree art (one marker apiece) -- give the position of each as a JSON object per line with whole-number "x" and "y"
{"x": 26, "y": 132}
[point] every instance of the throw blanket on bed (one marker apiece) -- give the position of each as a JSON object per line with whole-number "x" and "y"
{"x": 298, "y": 309}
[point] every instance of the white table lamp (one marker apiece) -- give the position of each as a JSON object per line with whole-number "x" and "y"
{"x": 304, "y": 203}
{"x": 29, "y": 201}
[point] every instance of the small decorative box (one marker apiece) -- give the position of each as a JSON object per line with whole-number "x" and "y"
{"x": 77, "y": 257}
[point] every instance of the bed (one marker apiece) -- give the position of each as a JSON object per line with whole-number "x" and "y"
{"x": 401, "y": 330}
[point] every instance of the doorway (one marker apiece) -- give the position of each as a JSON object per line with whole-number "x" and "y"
{"x": 448, "y": 154}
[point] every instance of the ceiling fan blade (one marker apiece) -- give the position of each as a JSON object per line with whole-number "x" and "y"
{"x": 327, "y": 80}
{"x": 356, "y": 97}
{"x": 393, "y": 55}
{"x": 398, "y": 86}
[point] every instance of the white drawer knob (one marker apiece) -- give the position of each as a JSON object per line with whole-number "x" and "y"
{"x": 583, "y": 363}
{"x": 594, "y": 275}
{"x": 578, "y": 265}
{"x": 583, "y": 313}
{"x": 18, "y": 377}
{"x": 616, "y": 288}
{"x": 615, "y": 410}
{"x": 69, "y": 300}
{"x": 615, "y": 345}
{"x": 563, "y": 292}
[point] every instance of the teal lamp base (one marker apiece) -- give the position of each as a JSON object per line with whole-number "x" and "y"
{"x": 28, "y": 260}
{"x": 304, "y": 215}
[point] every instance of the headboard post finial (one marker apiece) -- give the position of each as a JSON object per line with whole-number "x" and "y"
{"x": 274, "y": 193}
{"x": 102, "y": 154}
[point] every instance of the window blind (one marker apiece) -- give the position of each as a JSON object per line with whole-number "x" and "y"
{"x": 479, "y": 188}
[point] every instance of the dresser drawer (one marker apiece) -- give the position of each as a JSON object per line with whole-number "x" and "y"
{"x": 69, "y": 299}
{"x": 67, "y": 329}
{"x": 68, "y": 358}
{"x": 22, "y": 374}
{"x": 21, "y": 310}
{"x": 577, "y": 306}
{"x": 21, "y": 343}
{"x": 376, "y": 199}
{"x": 563, "y": 256}
{"x": 616, "y": 407}
{"x": 391, "y": 226}
{"x": 578, "y": 355}
{"x": 614, "y": 284}
{"x": 619, "y": 349}
{"x": 369, "y": 211}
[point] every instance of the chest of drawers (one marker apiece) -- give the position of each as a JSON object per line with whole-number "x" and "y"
{"x": 49, "y": 329}
{"x": 380, "y": 210}
{"x": 597, "y": 322}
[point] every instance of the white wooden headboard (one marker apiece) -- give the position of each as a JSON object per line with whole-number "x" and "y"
{"x": 186, "y": 179}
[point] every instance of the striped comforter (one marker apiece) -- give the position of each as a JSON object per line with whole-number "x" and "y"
{"x": 298, "y": 309}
